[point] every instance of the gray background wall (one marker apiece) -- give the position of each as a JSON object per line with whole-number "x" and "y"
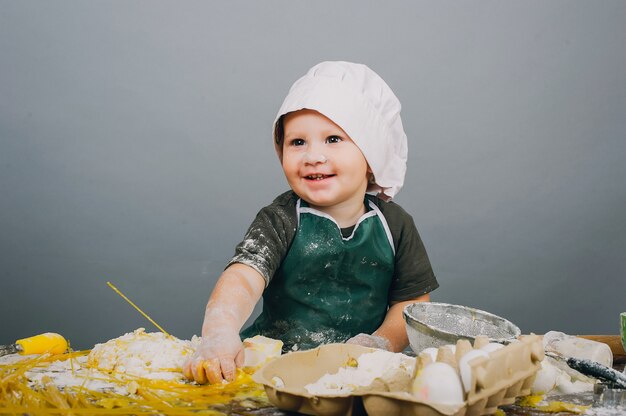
{"x": 135, "y": 147}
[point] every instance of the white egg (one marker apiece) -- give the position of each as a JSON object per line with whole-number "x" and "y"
{"x": 546, "y": 377}
{"x": 464, "y": 368}
{"x": 438, "y": 383}
{"x": 491, "y": 347}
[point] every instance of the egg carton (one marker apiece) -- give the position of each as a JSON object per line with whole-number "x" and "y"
{"x": 496, "y": 380}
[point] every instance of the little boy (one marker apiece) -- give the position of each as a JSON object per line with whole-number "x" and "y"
{"x": 332, "y": 258}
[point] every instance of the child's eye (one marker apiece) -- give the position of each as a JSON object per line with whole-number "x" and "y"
{"x": 297, "y": 142}
{"x": 333, "y": 139}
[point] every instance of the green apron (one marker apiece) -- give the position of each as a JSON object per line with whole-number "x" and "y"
{"x": 328, "y": 288}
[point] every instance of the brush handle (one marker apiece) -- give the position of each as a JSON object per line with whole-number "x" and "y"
{"x": 9, "y": 349}
{"x": 591, "y": 368}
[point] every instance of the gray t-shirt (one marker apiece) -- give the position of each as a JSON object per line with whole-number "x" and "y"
{"x": 269, "y": 237}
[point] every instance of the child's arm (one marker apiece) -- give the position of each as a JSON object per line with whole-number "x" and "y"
{"x": 221, "y": 351}
{"x": 391, "y": 335}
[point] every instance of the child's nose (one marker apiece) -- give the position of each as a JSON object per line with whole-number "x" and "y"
{"x": 314, "y": 158}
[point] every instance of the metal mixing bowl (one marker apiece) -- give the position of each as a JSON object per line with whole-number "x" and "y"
{"x": 432, "y": 324}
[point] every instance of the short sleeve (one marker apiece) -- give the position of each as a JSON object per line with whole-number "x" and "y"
{"x": 413, "y": 273}
{"x": 269, "y": 237}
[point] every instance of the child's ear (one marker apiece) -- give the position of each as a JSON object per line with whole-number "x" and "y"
{"x": 370, "y": 176}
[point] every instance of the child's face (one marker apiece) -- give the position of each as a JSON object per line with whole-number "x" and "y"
{"x": 321, "y": 162}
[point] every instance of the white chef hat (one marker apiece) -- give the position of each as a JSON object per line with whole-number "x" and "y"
{"x": 359, "y": 101}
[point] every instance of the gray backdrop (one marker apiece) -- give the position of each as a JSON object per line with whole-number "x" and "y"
{"x": 135, "y": 148}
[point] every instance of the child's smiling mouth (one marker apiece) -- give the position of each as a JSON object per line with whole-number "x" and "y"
{"x": 318, "y": 176}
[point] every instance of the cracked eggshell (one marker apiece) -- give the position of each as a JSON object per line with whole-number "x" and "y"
{"x": 438, "y": 383}
{"x": 260, "y": 349}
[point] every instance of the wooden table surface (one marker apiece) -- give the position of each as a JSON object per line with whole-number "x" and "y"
{"x": 512, "y": 410}
{"x": 585, "y": 399}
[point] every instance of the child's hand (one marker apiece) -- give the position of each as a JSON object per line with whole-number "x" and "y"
{"x": 221, "y": 351}
{"x": 372, "y": 341}
{"x": 217, "y": 357}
